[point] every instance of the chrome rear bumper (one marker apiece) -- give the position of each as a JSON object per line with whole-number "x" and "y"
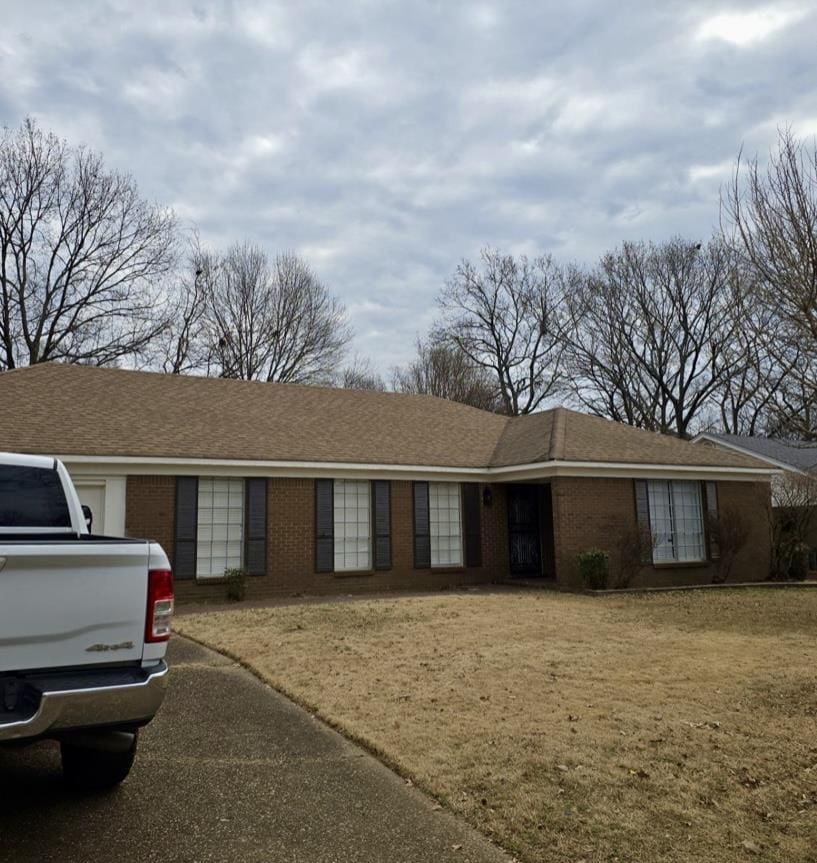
{"x": 86, "y": 706}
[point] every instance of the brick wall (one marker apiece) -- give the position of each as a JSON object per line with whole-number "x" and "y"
{"x": 586, "y": 512}
{"x": 590, "y": 512}
{"x": 150, "y": 509}
{"x": 291, "y": 543}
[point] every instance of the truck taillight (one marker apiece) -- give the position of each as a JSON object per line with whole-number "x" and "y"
{"x": 160, "y": 605}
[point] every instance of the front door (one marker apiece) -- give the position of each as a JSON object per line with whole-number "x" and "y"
{"x": 523, "y": 530}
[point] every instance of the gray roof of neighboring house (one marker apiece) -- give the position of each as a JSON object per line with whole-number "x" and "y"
{"x": 801, "y": 456}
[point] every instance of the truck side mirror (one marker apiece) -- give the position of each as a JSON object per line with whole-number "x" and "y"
{"x": 89, "y": 516}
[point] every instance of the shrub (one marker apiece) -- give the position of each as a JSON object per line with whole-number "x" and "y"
{"x": 731, "y": 533}
{"x": 594, "y": 568}
{"x": 236, "y": 581}
{"x": 634, "y": 551}
{"x": 798, "y": 569}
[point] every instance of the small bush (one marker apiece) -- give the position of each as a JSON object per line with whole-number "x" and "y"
{"x": 798, "y": 569}
{"x": 236, "y": 581}
{"x": 594, "y": 568}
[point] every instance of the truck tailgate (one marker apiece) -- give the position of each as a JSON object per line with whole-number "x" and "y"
{"x": 71, "y": 603}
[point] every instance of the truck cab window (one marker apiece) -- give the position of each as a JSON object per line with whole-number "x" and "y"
{"x": 32, "y": 497}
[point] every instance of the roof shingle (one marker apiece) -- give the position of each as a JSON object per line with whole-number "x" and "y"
{"x": 84, "y": 410}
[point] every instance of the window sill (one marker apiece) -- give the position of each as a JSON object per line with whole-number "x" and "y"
{"x": 682, "y": 564}
{"x": 444, "y": 569}
{"x": 353, "y": 573}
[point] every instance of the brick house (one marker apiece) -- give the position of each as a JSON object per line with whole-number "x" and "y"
{"x": 319, "y": 490}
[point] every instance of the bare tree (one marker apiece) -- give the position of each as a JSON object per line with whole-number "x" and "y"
{"x": 360, "y": 375}
{"x": 183, "y": 346}
{"x": 794, "y": 414}
{"x": 443, "y": 370}
{"x": 652, "y": 331}
{"x": 505, "y": 316}
{"x": 81, "y": 255}
{"x": 771, "y": 215}
{"x": 761, "y": 365}
{"x": 272, "y": 322}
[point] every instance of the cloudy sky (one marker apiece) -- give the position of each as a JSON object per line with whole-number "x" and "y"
{"x": 385, "y": 141}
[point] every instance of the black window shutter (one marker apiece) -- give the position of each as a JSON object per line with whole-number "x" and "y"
{"x": 642, "y": 508}
{"x": 710, "y": 496}
{"x": 324, "y": 526}
{"x": 473, "y": 524}
{"x": 422, "y": 532}
{"x": 187, "y": 510}
{"x": 381, "y": 495}
{"x": 255, "y": 525}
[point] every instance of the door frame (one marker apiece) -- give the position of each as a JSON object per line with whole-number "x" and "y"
{"x": 534, "y": 494}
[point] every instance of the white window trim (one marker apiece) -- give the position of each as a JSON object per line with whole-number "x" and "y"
{"x": 674, "y": 535}
{"x": 229, "y": 563}
{"x": 458, "y": 564}
{"x": 367, "y": 567}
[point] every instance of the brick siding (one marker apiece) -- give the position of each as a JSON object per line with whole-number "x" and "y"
{"x": 587, "y": 512}
{"x": 291, "y": 543}
{"x": 593, "y": 512}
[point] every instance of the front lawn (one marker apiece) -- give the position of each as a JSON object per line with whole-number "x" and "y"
{"x": 662, "y": 727}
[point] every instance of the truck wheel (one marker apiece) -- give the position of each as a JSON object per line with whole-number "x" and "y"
{"x": 91, "y": 769}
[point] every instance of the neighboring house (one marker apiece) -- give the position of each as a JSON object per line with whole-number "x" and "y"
{"x": 318, "y": 490}
{"x": 791, "y": 457}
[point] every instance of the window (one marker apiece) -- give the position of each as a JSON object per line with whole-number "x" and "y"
{"x": 676, "y": 520}
{"x": 352, "y": 525}
{"x": 32, "y": 497}
{"x": 445, "y": 523}
{"x": 220, "y": 526}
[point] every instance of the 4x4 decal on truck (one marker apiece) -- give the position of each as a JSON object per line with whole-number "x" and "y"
{"x": 99, "y": 648}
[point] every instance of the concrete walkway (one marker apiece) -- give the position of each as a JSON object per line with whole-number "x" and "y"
{"x": 229, "y": 771}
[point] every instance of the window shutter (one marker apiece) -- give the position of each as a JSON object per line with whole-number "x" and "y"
{"x": 710, "y": 496}
{"x": 187, "y": 506}
{"x": 255, "y": 526}
{"x": 381, "y": 504}
{"x": 324, "y": 526}
{"x": 642, "y": 509}
{"x": 422, "y": 532}
{"x": 472, "y": 524}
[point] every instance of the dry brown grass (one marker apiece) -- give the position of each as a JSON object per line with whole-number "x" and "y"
{"x": 663, "y": 727}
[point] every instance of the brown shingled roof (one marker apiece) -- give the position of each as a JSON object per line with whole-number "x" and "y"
{"x": 84, "y": 410}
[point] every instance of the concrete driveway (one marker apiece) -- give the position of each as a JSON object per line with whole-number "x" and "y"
{"x": 229, "y": 771}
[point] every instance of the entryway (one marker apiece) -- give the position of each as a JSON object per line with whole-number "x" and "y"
{"x": 530, "y": 530}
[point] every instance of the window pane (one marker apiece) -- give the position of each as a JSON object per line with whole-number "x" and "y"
{"x": 353, "y": 525}
{"x": 220, "y": 526}
{"x": 445, "y": 523}
{"x": 676, "y": 520}
{"x": 661, "y": 521}
{"x": 688, "y": 520}
{"x": 32, "y": 497}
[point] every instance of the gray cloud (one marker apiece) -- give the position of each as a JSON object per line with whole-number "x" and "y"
{"x": 384, "y": 141}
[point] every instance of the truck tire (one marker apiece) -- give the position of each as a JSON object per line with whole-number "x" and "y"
{"x": 90, "y": 769}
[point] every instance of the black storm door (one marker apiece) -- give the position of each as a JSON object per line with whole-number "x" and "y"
{"x": 523, "y": 530}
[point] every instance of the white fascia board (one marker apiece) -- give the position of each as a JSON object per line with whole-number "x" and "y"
{"x": 745, "y": 451}
{"x": 113, "y": 465}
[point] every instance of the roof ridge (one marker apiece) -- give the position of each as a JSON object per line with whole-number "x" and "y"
{"x": 557, "y": 434}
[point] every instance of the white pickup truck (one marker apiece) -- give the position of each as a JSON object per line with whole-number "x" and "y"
{"x": 84, "y": 625}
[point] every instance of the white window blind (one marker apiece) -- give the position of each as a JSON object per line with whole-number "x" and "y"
{"x": 676, "y": 520}
{"x": 220, "y": 533}
{"x": 445, "y": 523}
{"x": 352, "y": 525}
